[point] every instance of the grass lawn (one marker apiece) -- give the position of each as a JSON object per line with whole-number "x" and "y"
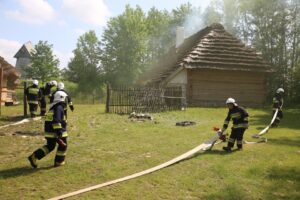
{"x": 104, "y": 147}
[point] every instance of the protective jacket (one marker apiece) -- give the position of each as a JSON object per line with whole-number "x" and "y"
{"x": 277, "y": 101}
{"x": 239, "y": 117}
{"x": 33, "y": 94}
{"x": 55, "y": 122}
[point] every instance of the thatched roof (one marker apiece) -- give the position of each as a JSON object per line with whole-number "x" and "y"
{"x": 10, "y": 72}
{"x": 210, "y": 48}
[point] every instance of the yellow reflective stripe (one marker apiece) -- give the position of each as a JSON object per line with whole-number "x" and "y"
{"x": 49, "y": 116}
{"x": 50, "y": 135}
{"x": 33, "y": 91}
{"x": 244, "y": 125}
{"x": 71, "y": 103}
{"x": 235, "y": 115}
{"x": 226, "y": 122}
{"x": 45, "y": 150}
{"x": 61, "y": 153}
{"x": 231, "y": 140}
{"x": 56, "y": 126}
{"x": 33, "y": 102}
{"x": 239, "y": 142}
{"x": 65, "y": 134}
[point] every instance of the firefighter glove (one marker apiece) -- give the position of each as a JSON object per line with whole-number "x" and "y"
{"x": 71, "y": 107}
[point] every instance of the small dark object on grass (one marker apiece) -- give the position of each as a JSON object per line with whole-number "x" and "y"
{"x": 185, "y": 123}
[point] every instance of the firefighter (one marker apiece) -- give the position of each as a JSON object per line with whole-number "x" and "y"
{"x": 277, "y": 104}
{"x": 45, "y": 92}
{"x": 239, "y": 117}
{"x": 61, "y": 87}
{"x": 55, "y": 128}
{"x": 33, "y": 94}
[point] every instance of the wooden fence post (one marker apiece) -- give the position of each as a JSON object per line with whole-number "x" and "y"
{"x": 25, "y": 99}
{"x": 1, "y": 78}
{"x": 107, "y": 98}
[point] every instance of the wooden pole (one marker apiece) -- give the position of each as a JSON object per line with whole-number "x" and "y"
{"x": 1, "y": 81}
{"x": 107, "y": 98}
{"x": 25, "y": 99}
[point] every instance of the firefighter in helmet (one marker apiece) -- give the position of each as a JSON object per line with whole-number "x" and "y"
{"x": 61, "y": 87}
{"x": 55, "y": 132}
{"x": 239, "y": 117}
{"x": 33, "y": 95}
{"x": 277, "y": 104}
{"x": 45, "y": 92}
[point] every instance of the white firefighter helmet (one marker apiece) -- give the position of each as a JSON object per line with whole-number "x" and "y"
{"x": 59, "y": 96}
{"x": 280, "y": 90}
{"x": 54, "y": 83}
{"x": 231, "y": 100}
{"x": 60, "y": 86}
{"x": 35, "y": 82}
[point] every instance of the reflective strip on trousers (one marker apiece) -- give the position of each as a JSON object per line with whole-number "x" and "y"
{"x": 61, "y": 153}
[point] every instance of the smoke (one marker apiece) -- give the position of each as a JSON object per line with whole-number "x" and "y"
{"x": 193, "y": 23}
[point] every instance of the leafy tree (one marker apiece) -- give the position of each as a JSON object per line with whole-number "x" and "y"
{"x": 85, "y": 67}
{"x": 124, "y": 47}
{"x": 44, "y": 64}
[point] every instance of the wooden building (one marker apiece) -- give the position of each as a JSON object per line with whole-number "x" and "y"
{"x": 211, "y": 66}
{"x": 24, "y": 56}
{"x": 10, "y": 80}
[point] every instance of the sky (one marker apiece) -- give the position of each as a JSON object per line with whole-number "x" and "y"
{"x": 61, "y": 22}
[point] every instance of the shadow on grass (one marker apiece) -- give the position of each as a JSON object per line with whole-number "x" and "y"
{"x": 12, "y": 118}
{"x": 286, "y": 141}
{"x": 212, "y": 152}
{"x": 20, "y": 171}
{"x": 285, "y": 183}
{"x": 27, "y": 133}
{"x": 290, "y": 119}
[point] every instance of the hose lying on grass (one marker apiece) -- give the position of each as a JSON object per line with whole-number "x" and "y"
{"x": 262, "y": 132}
{"x": 204, "y": 146}
{"x": 22, "y": 122}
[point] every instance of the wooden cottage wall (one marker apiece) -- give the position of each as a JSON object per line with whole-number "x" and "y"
{"x": 213, "y": 87}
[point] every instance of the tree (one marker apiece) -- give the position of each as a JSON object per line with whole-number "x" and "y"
{"x": 85, "y": 67}
{"x": 124, "y": 47}
{"x": 44, "y": 64}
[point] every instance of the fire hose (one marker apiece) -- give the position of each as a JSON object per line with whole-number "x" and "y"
{"x": 21, "y": 122}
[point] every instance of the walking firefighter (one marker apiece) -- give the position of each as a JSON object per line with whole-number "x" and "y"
{"x": 55, "y": 128}
{"x": 61, "y": 87}
{"x": 277, "y": 104}
{"x": 33, "y": 95}
{"x": 239, "y": 117}
{"x": 45, "y": 92}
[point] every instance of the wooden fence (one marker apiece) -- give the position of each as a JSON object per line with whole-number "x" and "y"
{"x": 125, "y": 100}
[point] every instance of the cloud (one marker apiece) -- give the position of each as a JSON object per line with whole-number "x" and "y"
{"x": 8, "y": 48}
{"x": 94, "y": 12}
{"x": 32, "y": 12}
{"x": 64, "y": 58}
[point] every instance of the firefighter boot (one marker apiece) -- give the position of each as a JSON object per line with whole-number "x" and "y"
{"x": 228, "y": 149}
{"x": 32, "y": 160}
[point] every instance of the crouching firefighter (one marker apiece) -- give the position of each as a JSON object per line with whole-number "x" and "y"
{"x": 277, "y": 104}
{"x": 239, "y": 117}
{"x": 55, "y": 132}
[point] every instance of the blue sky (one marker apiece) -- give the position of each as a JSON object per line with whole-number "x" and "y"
{"x": 61, "y": 22}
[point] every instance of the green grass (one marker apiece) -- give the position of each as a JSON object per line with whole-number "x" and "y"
{"x": 104, "y": 147}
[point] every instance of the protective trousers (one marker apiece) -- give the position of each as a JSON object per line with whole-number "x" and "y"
{"x": 279, "y": 116}
{"x": 33, "y": 109}
{"x": 43, "y": 105}
{"x": 236, "y": 134}
{"x": 46, "y": 149}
